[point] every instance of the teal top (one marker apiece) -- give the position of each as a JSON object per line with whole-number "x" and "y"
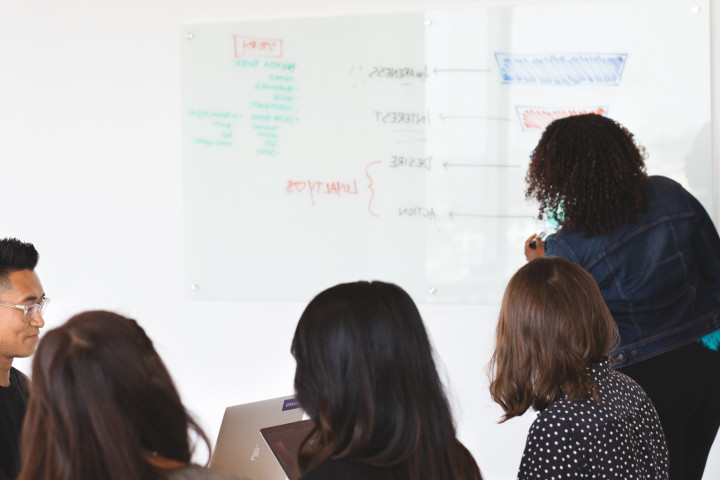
{"x": 711, "y": 340}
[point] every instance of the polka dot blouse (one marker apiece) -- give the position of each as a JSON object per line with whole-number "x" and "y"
{"x": 621, "y": 438}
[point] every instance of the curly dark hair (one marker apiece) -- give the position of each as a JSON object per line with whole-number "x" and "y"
{"x": 588, "y": 173}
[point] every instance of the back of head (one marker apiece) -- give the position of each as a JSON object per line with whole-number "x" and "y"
{"x": 553, "y": 324}
{"x": 16, "y": 255}
{"x": 101, "y": 401}
{"x": 366, "y": 376}
{"x": 587, "y": 172}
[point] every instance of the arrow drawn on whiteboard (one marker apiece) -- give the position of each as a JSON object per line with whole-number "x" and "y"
{"x": 443, "y": 117}
{"x": 478, "y": 215}
{"x": 460, "y": 70}
{"x": 478, "y": 165}
{"x": 370, "y": 187}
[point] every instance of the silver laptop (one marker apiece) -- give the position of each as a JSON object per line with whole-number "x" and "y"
{"x": 240, "y": 448}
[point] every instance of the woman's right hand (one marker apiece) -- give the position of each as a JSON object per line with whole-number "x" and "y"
{"x": 536, "y": 252}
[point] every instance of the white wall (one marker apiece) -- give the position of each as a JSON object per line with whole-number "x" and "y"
{"x": 91, "y": 162}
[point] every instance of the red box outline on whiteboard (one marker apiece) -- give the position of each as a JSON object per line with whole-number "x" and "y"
{"x": 241, "y": 49}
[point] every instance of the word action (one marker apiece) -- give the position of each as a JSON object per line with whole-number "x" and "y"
{"x": 422, "y": 212}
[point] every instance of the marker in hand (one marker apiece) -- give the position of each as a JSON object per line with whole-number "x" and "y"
{"x": 540, "y": 235}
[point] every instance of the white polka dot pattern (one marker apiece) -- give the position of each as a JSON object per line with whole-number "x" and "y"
{"x": 620, "y": 438}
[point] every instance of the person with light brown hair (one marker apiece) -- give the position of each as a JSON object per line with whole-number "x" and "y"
{"x": 554, "y": 336}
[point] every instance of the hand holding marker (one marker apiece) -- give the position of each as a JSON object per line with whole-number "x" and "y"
{"x": 540, "y": 235}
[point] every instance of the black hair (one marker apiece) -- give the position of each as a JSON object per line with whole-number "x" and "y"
{"x": 15, "y": 256}
{"x": 588, "y": 174}
{"x": 366, "y": 376}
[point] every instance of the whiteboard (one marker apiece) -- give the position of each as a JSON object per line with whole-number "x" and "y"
{"x": 395, "y": 146}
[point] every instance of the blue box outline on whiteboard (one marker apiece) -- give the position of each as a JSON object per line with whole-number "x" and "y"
{"x": 544, "y": 64}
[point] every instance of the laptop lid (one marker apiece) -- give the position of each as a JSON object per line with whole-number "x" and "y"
{"x": 240, "y": 448}
{"x": 284, "y": 441}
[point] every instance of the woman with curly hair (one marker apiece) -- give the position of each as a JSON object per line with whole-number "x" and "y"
{"x": 655, "y": 254}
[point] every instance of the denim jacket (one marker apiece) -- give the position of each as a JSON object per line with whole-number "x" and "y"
{"x": 660, "y": 278}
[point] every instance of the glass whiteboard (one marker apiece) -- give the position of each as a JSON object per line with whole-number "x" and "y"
{"x": 394, "y": 146}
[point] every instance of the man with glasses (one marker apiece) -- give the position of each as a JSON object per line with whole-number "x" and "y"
{"x": 22, "y": 301}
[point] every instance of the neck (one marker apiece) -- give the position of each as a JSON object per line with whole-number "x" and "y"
{"x": 5, "y": 364}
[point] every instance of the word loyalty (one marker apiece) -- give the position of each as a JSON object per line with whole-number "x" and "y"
{"x": 317, "y": 188}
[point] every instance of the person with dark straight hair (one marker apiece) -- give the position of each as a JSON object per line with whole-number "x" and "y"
{"x": 553, "y": 338}
{"x": 103, "y": 406}
{"x": 655, "y": 254}
{"x": 22, "y": 301}
{"x": 366, "y": 377}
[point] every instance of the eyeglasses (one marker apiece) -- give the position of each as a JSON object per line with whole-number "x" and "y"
{"x": 29, "y": 311}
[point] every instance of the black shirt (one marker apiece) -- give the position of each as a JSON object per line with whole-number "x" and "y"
{"x": 345, "y": 469}
{"x": 13, "y": 403}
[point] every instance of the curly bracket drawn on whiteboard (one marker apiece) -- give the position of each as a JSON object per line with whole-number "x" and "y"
{"x": 370, "y": 187}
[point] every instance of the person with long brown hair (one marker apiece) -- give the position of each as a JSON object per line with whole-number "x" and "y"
{"x": 103, "y": 406}
{"x": 366, "y": 377}
{"x": 554, "y": 335}
{"x": 655, "y": 255}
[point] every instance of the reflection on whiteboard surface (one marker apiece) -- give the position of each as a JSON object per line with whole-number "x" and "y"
{"x": 395, "y": 146}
